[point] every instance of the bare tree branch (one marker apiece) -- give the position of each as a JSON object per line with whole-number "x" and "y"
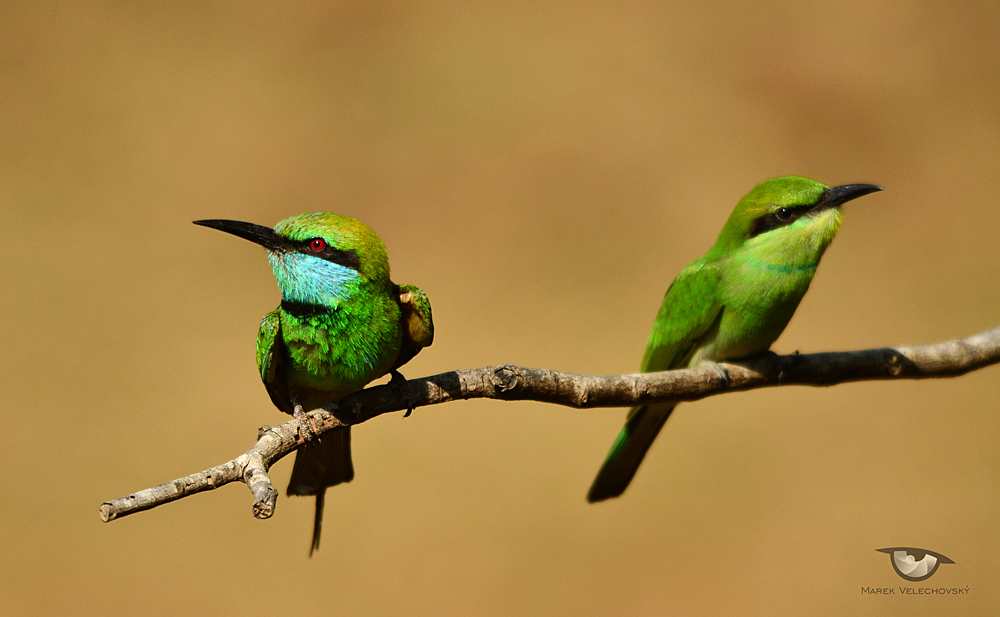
{"x": 515, "y": 383}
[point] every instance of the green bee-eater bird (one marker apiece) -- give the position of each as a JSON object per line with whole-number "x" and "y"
{"x": 341, "y": 323}
{"x": 734, "y": 301}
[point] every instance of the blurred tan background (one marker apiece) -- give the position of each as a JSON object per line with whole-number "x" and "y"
{"x": 542, "y": 170}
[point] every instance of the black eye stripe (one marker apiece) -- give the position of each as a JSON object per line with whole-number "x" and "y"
{"x": 773, "y": 220}
{"x": 346, "y": 258}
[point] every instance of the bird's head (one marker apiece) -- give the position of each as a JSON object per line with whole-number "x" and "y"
{"x": 803, "y": 207}
{"x": 317, "y": 257}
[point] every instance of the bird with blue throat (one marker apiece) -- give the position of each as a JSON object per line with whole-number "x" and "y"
{"x": 341, "y": 324}
{"x": 734, "y": 301}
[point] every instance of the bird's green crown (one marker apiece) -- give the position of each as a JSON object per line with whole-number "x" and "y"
{"x": 320, "y": 259}
{"x": 767, "y": 205}
{"x": 362, "y": 249}
{"x": 800, "y": 204}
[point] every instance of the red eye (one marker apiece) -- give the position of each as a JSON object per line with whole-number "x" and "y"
{"x": 317, "y": 244}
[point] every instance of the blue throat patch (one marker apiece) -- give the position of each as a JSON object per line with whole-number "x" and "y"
{"x": 311, "y": 280}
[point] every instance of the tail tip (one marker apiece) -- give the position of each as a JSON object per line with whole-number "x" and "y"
{"x": 603, "y": 493}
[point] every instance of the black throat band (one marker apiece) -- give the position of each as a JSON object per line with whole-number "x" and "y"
{"x": 304, "y": 309}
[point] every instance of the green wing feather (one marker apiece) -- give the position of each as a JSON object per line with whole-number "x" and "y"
{"x": 270, "y": 328}
{"x": 689, "y": 310}
{"x": 417, "y": 323}
{"x": 270, "y": 355}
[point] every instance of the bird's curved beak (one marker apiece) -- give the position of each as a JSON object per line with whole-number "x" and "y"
{"x": 842, "y": 194}
{"x": 257, "y": 234}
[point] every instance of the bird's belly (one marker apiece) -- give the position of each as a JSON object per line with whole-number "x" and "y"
{"x": 324, "y": 361}
{"x": 747, "y": 334}
{"x": 749, "y": 325}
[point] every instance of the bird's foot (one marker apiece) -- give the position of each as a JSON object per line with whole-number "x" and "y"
{"x": 308, "y": 430}
{"x": 778, "y": 365}
{"x": 402, "y": 388}
{"x": 722, "y": 374}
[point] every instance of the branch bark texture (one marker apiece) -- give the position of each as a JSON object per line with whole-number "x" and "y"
{"x": 514, "y": 383}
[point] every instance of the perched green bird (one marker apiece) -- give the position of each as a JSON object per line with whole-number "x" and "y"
{"x": 734, "y": 301}
{"x": 341, "y": 324}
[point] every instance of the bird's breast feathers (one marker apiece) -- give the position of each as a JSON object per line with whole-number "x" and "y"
{"x": 343, "y": 349}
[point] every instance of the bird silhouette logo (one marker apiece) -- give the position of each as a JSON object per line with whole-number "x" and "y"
{"x": 914, "y": 564}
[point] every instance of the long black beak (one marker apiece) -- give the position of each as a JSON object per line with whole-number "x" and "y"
{"x": 258, "y": 234}
{"x": 842, "y": 194}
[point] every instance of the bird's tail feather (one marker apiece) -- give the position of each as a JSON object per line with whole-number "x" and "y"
{"x": 323, "y": 463}
{"x": 318, "y": 521}
{"x": 626, "y": 454}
